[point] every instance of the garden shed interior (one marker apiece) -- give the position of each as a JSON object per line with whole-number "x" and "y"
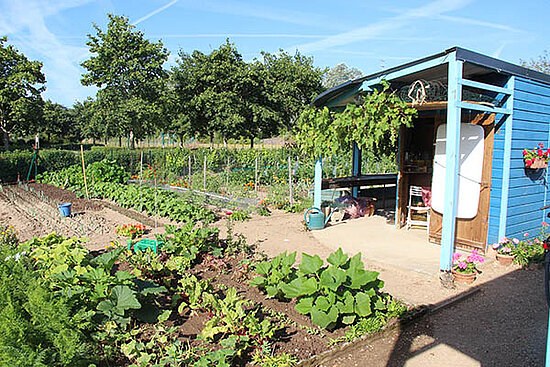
{"x": 476, "y": 114}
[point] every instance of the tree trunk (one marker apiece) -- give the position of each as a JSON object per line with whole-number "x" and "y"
{"x": 251, "y": 142}
{"x": 6, "y": 141}
{"x": 120, "y": 141}
{"x": 132, "y": 140}
{"x": 211, "y": 141}
{"x": 181, "y": 140}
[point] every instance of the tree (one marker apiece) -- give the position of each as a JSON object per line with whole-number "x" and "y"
{"x": 21, "y": 83}
{"x": 128, "y": 71}
{"x": 339, "y": 74}
{"x": 542, "y": 64}
{"x": 59, "y": 121}
{"x": 220, "y": 93}
{"x": 293, "y": 83}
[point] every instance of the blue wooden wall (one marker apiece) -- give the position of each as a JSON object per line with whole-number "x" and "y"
{"x": 528, "y": 189}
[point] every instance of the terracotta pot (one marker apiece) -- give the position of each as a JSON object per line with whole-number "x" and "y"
{"x": 464, "y": 278}
{"x": 505, "y": 259}
{"x": 538, "y": 163}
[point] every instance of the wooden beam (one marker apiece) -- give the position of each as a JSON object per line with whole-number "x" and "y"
{"x": 484, "y": 108}
{"x": 408, "y": 70}
{"x": 484, "y": 86}
{"x": 452, "y": 159}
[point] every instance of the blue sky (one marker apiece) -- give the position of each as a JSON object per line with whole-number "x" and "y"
{"x": 368, "y": 34}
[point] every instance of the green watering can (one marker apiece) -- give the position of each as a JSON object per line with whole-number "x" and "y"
{"x": 316, "y": 218}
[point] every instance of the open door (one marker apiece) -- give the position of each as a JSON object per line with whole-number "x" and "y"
{"x": 472, "y": 232}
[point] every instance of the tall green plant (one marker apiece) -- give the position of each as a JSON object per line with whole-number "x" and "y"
{"x": 371, "y": 124}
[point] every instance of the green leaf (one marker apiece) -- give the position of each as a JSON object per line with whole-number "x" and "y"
{"x": 125, "y": 297}
{"x": 304, "y": 305}
{"x": 300, "y": 287}
{"x": 348, "y": 306}
{"x": 362, "y": 304}
{"x": 327, "y": 281}
{"x": 258, "y": 281}
{"x": 324, "y": 319}
{"x": 322, "y": 303}
{"x": 310, "y": 264}
{"x": 349, "y": 319}
{"x": 263, "y": 268}
{"x": 379, "y": 304}
{"x": 289, "y": 260}
{"x": 271, "y": 290}
{"x": 337, "y": 258}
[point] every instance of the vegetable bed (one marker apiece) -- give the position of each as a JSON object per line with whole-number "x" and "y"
{"x": 190, "y": 304}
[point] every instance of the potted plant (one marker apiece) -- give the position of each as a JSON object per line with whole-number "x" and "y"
{"x": 464, "y": 267}
{"x": 537, "y": 157}
{"x": 505, "y": 249}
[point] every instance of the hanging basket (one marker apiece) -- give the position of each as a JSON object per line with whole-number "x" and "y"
{"x": 537, "y": 164}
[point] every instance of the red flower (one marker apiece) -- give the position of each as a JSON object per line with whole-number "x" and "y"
{"x": 546, "y": 245}
{"x": 525, "y": 151}
{"x": 539, "y": 152}
{"x": 529, "y": 162}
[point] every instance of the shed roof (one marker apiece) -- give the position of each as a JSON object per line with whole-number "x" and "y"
{"x": 461, "y": 54}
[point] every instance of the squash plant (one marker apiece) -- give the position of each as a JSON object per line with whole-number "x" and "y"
{"x": 331, "y": 295}
{"x": 274, "y": 274}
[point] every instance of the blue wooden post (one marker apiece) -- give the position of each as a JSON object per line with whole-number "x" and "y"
{"x": 356, "y": 167}
{"x": 452, "y": 153}
{"x": 506, "y": 164}
{"x": 317, "y": 183}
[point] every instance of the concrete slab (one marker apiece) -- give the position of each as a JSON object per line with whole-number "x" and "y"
{"x": 383, "y": 243}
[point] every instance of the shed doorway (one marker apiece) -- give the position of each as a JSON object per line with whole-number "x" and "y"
{"x": 416, "y": 166}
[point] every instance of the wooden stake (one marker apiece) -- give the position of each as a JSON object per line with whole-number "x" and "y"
{"x": 290, "y": 188}
{"x": 156, "y": 209}
{"x": 84, "y": 171}
{"x": 256, "y": 175}
{"x": 189, "y": 172}
{"x": 227, "y": 173}
{"x": 204, "y": 175}
{"x": 141, "y": 182}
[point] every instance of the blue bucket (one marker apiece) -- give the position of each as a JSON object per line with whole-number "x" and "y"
{"x": 65, "y": 209}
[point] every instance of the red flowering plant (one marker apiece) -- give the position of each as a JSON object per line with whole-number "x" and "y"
{"x": 537, "y": 155}
{"x": 130, "y": 230}
{"x": 467, "y": 264}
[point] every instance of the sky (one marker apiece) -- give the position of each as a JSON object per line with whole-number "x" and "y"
{"x": 366, "y": 34}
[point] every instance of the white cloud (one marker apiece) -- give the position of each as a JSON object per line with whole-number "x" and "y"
{"x": 149, "y": 15}
{"x": 24, "y": 22}
{"x": 383, "y": 27}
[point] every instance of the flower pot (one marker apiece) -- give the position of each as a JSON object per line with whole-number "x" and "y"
{"x": 505, "y": 259}
{"x": 464, "y": 278}
{"x": 538, "y": 163}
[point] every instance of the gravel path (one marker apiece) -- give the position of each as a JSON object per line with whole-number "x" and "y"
{"x": 505, "y": 324}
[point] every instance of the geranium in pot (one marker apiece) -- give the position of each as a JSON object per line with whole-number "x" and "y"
{"x": 537, "y": 157}
{"x": 465, "y": 267}
{"x": 505, "y": 250}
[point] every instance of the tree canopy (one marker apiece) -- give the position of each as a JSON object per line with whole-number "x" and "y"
{"x": 220, "y": 93}
{"x": 339, "y": 74}
{"x": 128, "y": 70}
{"x": 21, "y": 85}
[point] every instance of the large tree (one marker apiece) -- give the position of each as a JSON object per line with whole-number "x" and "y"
{"x": 339, "y": 74}
{"x": 58, "y": 121}
{"x": 127, "y": 69}
{"x": 21, "y": 83}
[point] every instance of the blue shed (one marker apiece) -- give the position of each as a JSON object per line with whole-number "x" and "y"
{"x": 509, "y": 106}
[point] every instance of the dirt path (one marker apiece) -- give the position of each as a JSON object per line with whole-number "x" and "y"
{"x": 505, "y": 324}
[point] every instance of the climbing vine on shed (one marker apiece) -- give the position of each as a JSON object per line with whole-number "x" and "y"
{"x": 377, "y": 119}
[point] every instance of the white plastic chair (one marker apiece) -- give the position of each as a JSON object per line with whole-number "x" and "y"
{"x": 416, "y": 192}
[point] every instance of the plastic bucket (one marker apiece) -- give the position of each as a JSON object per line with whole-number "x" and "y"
{"x": 65, "y": 209}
